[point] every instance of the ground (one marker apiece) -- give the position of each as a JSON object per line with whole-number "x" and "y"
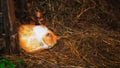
{"x": 89, "y": 31}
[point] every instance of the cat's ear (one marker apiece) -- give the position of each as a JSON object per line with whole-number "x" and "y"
{"x": 50, "y": 38}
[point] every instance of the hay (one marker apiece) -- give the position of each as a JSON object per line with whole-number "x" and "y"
{"x": 89, "y": 30}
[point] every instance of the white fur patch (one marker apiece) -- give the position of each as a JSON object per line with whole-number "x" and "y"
{"x": 40, "y": 31}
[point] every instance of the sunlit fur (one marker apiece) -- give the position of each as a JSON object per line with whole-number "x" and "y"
{"x": 33, "y": 38}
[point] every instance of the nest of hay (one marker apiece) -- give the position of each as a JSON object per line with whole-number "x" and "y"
{"x": 89, "y": 30}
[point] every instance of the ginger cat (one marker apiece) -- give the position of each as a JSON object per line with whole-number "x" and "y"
{"x": 36, "y": 37}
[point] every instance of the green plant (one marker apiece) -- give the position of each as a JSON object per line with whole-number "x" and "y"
{"x": 5, "y": 63}
{"x": 20, "y": 63}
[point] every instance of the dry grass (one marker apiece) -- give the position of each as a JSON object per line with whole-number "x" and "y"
{"x": 89, "y": 30}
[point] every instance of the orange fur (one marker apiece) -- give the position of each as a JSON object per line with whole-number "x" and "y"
{"x": 25, "y": 30}
{"x": 50, "y": 40}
